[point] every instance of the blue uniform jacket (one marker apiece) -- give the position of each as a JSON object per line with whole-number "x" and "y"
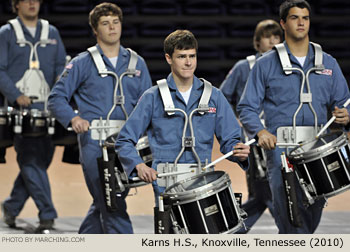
{"x": 92, "y": 93}
{"x": 165, "y": 132}
{"x": 14, "y": 60}
{"x": 279, "y": 94}
{"x": 233, "y": 85}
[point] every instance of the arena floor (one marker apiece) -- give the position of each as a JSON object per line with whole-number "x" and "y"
{"x": 72, "y": 200}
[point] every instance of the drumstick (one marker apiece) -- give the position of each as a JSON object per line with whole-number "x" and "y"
{"x": 331, "y": 120}
{"x": 166, "y": 174}
{"x": 225, "y": 156}
{"x": 288, "y": 144}
{"x": 95, "y": 127}
{"x": 105, "y": 154}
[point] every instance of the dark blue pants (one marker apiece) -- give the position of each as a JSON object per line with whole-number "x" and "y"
{"x": 34, "y": 156}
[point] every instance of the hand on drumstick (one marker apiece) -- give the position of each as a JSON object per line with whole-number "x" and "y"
{"x": 267, "y": 140}
{"x": 80, "y": 125}
{"x": 341, "y": 115}
{"x": 146, "y": 173}
{"x": 23, "y": 100}
{"x": 241, "y": 151}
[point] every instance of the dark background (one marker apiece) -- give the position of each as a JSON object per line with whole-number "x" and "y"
{"x": 224, "y": 29}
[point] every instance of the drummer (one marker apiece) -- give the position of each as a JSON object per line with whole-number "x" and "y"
{"x": 34, "y": 154}
{"x": 165, "y": 129}
{"x": 93, "y": 94}
{"x": 278, "y": 92}
{"x": 267, "y": 34}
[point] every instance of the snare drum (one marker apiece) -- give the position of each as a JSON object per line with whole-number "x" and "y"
{"x": 142, "y": 146}
{"x": 322, "y": 165}
{"x": 32, "y": 123}
{"x": 204, "y": 204}
{"x": 6, "y": 133}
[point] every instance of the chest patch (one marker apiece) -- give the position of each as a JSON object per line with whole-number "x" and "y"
{"x": 328, "y": 72}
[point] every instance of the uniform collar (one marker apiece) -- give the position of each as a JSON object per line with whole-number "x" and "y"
{"x": 310, "y": 57}
{"x": 25, "y": 30}
{"x": 122, "y": 57}
{"x": 196, "y": 93}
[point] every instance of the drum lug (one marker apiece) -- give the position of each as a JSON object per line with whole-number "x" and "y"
{"x": 17, "y": 128}
{"x": 51, "y": 125}
{"x": 119, "y": 185}
{"x": 303, "y": 185}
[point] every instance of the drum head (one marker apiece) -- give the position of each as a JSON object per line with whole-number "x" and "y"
{"x": 318, "y": 147}
{"x": 199, "y": 186}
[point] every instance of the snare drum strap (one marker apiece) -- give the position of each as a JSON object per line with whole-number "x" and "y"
{"x": 101, "y": 67}
{"x": 44, "y": 37}
{"x": 285, "y": 61}
{"x": 251, "y": 60}
{"x": 168, "y": 101}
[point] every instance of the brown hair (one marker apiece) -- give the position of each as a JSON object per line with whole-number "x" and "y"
{"x": 181, "y": 40}
{"x": 287, "y": 5}
{"x": 104, "y": 9}
{"x": 266, "y": 28}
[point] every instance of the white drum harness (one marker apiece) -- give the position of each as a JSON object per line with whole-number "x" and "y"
{"x": 187, "y": 141}
{"x": 33, "y": 83}
{"x": 296, "y": 134}
{"x": 101, "y": 129}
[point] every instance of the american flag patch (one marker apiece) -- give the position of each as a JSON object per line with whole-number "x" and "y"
{"x": 69, "y": 66}
{"x": 212, "y": 110}
{"x": 53, "y": 41}
{"x": 137, "y": 73}
{"x": 327, "y": 72}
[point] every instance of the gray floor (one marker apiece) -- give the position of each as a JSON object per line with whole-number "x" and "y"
{"x": 331, "y": 223}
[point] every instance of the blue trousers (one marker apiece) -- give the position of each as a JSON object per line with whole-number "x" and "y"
{"x": 34, "y": 156}
{"x": 98, "y": 220}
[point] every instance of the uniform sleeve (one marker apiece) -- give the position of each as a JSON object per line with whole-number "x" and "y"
{"x": 132, "y": 131}
{"x": 251, "y": 102}
{"x": 227, "y": 130}
{"x": 61, "y": 94}
{"x": 340, "y": 90}
{"x": 231, "y": 82}
{"x": 7, "y": 86}
{"x": 146, "y": 80}
{"x": 60, "y": 55}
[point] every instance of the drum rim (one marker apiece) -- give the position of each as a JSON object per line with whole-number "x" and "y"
{"x": 319, "y": 152}
{"x": 333, "y": 193}
{"x": 32, "y": 113}
{"x": 209, "y": 189}
{"x": 190, "y": 198}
